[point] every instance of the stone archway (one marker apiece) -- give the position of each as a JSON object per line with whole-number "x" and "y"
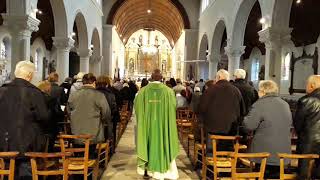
{"x": 80, "y": 35}
{"x": 203, "y": 67}
{"x": 95, "y": 59}
{"x": 215, "y": 56}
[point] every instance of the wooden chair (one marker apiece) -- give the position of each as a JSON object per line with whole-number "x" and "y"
{"x": 248, "y": 175}
{"x": 185, "y": 122}
{"x": 79, "y": 164}
{"x": 191, "y": 137}
{"x": 199, "y": 146}
{"x": 296, "y": 157}
{"x": 7, "y": 172}
{"x": 103, "y": 150}
{"x": 40, "y": 168}
{"x": 221, "y": 160}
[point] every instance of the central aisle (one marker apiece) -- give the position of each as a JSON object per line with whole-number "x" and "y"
{"x": 122, "y": 165}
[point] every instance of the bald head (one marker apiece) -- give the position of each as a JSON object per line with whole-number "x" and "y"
{"x": 156, "y": 75}
{"x": 313, "y": 83}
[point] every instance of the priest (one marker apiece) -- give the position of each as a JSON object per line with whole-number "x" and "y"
{"x": 157, "y": 137}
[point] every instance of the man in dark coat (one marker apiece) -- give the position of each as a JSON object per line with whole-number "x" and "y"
{"x": 307, "y": 125}
{"x": 221, "y": 107}
{"x": 56, "y": 92}
{"x": 24, "y": 115}
{"x": 249, "y": 94}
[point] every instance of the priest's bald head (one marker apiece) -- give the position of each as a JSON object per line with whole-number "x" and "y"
{"x": 313, "y": 83}
{"x": 156, "y": 75}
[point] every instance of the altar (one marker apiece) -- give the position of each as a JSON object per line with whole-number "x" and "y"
{"x": 147, "y": 54}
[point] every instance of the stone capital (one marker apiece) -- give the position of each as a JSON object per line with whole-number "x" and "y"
{"x": 23, "y": 25}
{"x": 84, "y": 53}
{"x": 234, "y": 51}
{"x": 63, "y": 43}
{"x": 274, "y": 38}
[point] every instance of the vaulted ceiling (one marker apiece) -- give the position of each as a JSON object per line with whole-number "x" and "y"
{"x": 167, "y": 16}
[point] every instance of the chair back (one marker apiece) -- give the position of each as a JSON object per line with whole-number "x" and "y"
{"x": 292, "y": 157}
{"x": 248, "y": 175}
{"x": 80, "y": 156}
{"x": 230, "y": 139}
{"x": 42, "y": 167}
{"x": 7, "y": 172}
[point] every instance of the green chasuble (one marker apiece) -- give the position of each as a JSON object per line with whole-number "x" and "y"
{"x": 157, "y": 137}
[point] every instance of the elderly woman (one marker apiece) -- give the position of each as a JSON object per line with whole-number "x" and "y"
{"x": 270, "y": 120}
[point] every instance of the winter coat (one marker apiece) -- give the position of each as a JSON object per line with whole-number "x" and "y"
{"x": 249, "y": 94}
{"x": 307, "y": 127}
{"x": 90, "y": 113}
{"x": 221, "y": 107}
{"x": 76, "y": 86}
{"x": 115, "y": 115}
{"x": 270, "y": 120}
{"x": 24, "y": 117}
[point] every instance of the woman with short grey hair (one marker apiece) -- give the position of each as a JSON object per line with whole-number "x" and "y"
{"x": 270, "y": 121}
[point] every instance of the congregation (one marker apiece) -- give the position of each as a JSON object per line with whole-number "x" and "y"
{"x": 32, "y": 116}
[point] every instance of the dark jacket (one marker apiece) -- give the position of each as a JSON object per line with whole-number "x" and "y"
{"x": 270, "y": 119}
{"x": 57, "y": 93}
{"x": 307, "y": 126}
{"x": 66, "y": 92}
{"x": 249, "y": 94}
{"x": 24, "y": 116}
{"x": 111, "y": 98}
{"x": 221, "y": 107}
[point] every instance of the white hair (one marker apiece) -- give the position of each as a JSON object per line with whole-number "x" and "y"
{"x": 240, "y": 74}
{"x": 315, "y": 80}
{"x": 222, "y": 75}
{"x": 268, "y": 87}
{"x": 24, "y": 69}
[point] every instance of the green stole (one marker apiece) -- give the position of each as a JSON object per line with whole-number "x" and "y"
{"x": 157, "y": 137}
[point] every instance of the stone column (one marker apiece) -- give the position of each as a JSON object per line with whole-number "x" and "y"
{"x": 106, "y": 63}
{"x": 63, "y": 46}
{"x": 213, "y": 65}
{"x": 21, "y": 28}
{"x": 84, "y": 59}
{"x": 96, "y": 64}
{"x": 273, "y": 41}
{"x": 234, "y": 54}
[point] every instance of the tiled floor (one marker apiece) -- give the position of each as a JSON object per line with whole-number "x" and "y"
{"x": 123, "y": 164}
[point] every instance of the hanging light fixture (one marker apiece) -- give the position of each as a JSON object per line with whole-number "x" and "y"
{"x": 298, "y": 1}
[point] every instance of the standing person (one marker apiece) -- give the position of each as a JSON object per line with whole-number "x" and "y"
{"x": 102, "y": 86}
{"x": 307, "y": 125}
{"x": 173, "y": 82}
{"x": 56, "y": 92}
{"x": 179, "y": 87}
{"x": 248, "y": 92}
{"x": 66, "y": 85}
{"x": 24, "y": 117}
{"x": 157, "y": 137}
{"x": 78, "y": 84}
{"x": 90, "y": 112}
{"x": 270, "y": 120}
{"x": 221, "y": 108}
{"x": 200, "y": 84}
{"x": 144, "y": 82}
{"x": 195, "y": 100}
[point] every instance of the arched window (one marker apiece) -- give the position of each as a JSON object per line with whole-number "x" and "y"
{"x": 286, "y": 67}
{"x": 204, "y": 5}
{"x": 37, "y": 59}
{"x": 3, "y": 51}
{"x": 255, "y": 66}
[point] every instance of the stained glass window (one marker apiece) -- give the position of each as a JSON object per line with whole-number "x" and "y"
{"x": 255, "y": 66}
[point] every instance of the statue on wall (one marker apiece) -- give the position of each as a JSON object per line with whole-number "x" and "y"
{"x": 262, "y": 73}
{"x": 140, "y": 40}
{"x": 52, "y": 66}
{"x": 164, "y": 66}
{"x": 156, "y": 41}
{"x": 131, "y": 65}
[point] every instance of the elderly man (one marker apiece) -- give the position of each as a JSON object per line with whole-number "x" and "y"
{"x": 307, "y": 124}
{"x": 270, "y": 119}
{"x": 249, "y": 94}
{"x": 24, "y": 115}
{"x": 179, "y": 87}
{"x": 221, "y": 107}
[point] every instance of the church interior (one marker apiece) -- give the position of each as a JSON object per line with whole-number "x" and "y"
{"x": 276, "y": 40}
